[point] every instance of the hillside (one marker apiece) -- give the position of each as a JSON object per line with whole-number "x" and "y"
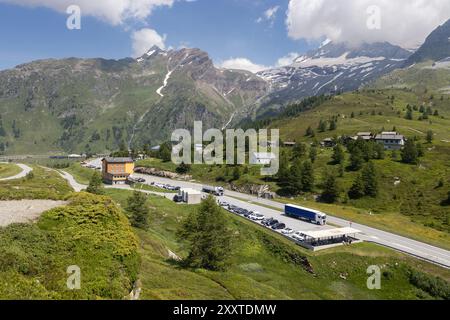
{"x": 93, "y": 233}
{"x": 265, "y": 265}
{"x": 436, "y": 46}
{"x": 95, "y": 105}
{"x": 411, "y": 198}
{"x": 419, "y": 194}
{"x": 90, "y": 232}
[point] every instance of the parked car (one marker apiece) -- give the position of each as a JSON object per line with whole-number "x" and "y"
{"x": 256, "y": 216}
{"x": 266, "y": 222}
{"x": 298, "y": 236}
{"x": 278, "y": 226}
{"x": 140, "y": 180}
{"x": 287, "y": 231}
{"x": 272, "y": 223}
{"x": 232, "y": 208}
{"x": 246, "y": 213}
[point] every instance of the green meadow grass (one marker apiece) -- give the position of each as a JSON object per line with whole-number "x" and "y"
{"x": 412, "y": 207}
{"x": 81, "y": 174}
{"x": 91, "y": 232}
{"x": 9, "y": 170}
{"x": 41, "y": 184}
{"x": 265, "y": 265}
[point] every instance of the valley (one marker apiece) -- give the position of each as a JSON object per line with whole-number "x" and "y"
{"x": 87, "y": 179}
{"x": 264, "y": 264}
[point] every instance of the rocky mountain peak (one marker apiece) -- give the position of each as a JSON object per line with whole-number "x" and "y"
{"x": 331, "y": 53}
{"x": 436, "y": 46}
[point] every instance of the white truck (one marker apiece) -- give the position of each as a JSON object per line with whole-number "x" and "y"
{"x": 217, "y": 191}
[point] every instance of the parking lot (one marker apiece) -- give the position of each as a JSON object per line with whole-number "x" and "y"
{"x": 397, "y": 242}
{"x": 295, "y": 226}
{"x": 270, "y": 219}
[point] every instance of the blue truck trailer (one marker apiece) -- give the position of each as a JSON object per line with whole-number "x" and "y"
{"x": 306, "y": 214}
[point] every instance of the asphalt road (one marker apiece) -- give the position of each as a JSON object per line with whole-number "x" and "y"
{"x": 25, "y": 170}
{"x": 403, "y": 244}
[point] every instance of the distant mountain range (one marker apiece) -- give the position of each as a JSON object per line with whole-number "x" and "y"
{"x": 435, "y": 48}
{"x": 331, "y": 69}
{"x": 96, "y": 105}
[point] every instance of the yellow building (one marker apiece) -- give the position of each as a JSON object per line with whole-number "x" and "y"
{"x": 117, "y": 170}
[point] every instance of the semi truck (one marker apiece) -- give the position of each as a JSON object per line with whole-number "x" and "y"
{"x": 217, "y": 191}
{"x": 306, "y": 214}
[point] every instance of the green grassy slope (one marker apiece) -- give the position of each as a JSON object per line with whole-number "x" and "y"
{"x": 90, "y": 232}
{"x": 93, "y": 233}
{"x": 41, "y": 184}
{"x": 8, "y": 170}
{"x": 418, "y": 196}
{"x": 412, "y": 207}
{"x": 96, "y": 106}
{"x": 265, "y": 265}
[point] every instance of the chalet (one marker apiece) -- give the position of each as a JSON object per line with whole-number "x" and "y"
{"x": 391, "y": 140}
{"x": 117, "y": 170}
{"x": 367, "y": 136}
{"x": 262, "y": 158}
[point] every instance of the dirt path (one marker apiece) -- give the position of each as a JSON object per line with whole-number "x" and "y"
{"x": 25, "y": 211}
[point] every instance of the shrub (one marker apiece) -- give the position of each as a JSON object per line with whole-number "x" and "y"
{"x": 434, "y": 286}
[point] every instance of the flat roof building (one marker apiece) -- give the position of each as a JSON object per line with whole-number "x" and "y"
{"x": 191, "y": 196}
{"x": 325, "y": 239}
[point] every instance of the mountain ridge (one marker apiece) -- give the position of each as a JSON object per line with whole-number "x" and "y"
{"x": 98, "y": 105}
{"x": 436, "y": 46}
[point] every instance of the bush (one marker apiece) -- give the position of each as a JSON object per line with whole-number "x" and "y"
{"x": 183, "y": 168}
{"x": 91, "y": 232}
{"x": 434, "y": 286}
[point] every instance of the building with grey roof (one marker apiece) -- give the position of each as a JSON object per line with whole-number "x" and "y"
{"x": 391, "y": 140}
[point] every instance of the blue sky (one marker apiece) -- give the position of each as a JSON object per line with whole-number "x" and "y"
{"x": 250, "y": 33}
{"x": 224, "y": 28}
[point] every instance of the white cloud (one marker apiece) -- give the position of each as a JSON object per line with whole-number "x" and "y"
{"x": 271, "y": 12}
{"x": 269, "y": 15}
{"x": 144, "y": 39}
{"x": 288, "y": 59}
{"x": 115, "y": 12}
{"x": 242, "y": 64}
{"x": 248, "y": 65}
{"x": 403, "y": 22}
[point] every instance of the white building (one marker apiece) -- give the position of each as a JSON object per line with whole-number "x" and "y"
{"x": 391, "y": 140}
{"x": 262, "y": 158}
{"x": 75, "y": 156}
{"x": 191, "y": 196}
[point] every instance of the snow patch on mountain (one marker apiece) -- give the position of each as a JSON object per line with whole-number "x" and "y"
{"x": 166, "y": 82}
{"x": 333, "y": 68}
{"x": 305, "y": 62}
